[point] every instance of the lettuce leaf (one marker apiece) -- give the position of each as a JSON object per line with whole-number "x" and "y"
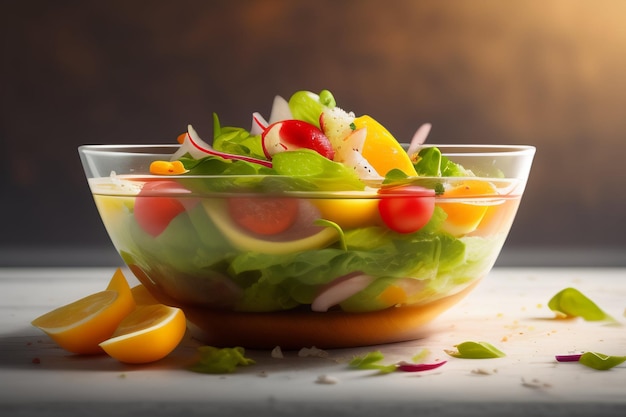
{"x": 308, "y": 106}
{"x": 431, "y": 163}
{"x": 300, "y": 170}
{"x": 236, "y": 140}
{"x": 215, "y": 360}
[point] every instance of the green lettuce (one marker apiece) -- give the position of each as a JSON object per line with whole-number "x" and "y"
{"x": 215, "y": 360}
{"x": 570, "y": 302}
{"x": 300, "y": 170}
{"x": 236, "y": 140}
{"x": 476, "y": 350}
{"x": 431, "y": 163}
{"x": 308, "y": 106}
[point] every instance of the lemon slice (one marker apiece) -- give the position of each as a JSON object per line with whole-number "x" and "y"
{"x": 143, "y": 296}
{"x": 349, "y": 213}
{"x": 382, "y": 150}
{"x": 464, "y": 218}
{"x": 149, "y": 333}
{"x": 80, "y": 326}
{"x": 119, "y": 284}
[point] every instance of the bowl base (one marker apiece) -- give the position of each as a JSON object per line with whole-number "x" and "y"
{"x": 331, "y": 330}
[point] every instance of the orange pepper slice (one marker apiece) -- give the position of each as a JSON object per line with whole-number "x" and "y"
{"x": 167, "y": 168}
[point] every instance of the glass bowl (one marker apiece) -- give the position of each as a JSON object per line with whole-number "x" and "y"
{"x": 264, "y": 260}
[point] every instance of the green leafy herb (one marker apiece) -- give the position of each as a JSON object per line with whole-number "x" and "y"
{"x": 572, "y": 303}
{"x": 327, "y": 99}
{"x": 476, "y": 350}
{"x": 600, "y": 361}
{"x": 220, "y": 360}
{"x": 328, "y": 223}
{"x": 236, "y": 140}
{"x": 395, "y": 175}
{"x": 371, "y": 360}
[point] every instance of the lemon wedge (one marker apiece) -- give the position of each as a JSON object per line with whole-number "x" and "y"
{"x": 149, "y": 333}
{"x": 80, "y": 326}
{"x": 381, "y": 149}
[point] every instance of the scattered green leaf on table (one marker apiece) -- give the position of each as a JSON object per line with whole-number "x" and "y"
{"x": 420, "y": 356}
{"x": 600, "y": 361}
{"x": 371, "y": 360}
{"x": 572, "y": 303}
{"x": 476, "y": 350}
{"x": 220, "y": 360}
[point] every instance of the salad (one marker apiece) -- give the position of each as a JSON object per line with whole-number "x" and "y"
{"x": 312, "y": 209}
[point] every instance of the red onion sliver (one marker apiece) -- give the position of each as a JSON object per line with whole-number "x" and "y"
{"x": 418, "y": 367}
{"x": 568, "y": 358}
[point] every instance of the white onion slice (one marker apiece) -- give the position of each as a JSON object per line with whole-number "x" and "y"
{"x": 419, "y": 138}
{"x": 340, "y": 290}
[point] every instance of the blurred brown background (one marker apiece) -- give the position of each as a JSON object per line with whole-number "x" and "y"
{"x": 551, "y": 73}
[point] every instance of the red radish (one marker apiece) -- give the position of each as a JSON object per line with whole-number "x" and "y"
{"x": 289, "y": 135}
{"x": 197, "y": 148}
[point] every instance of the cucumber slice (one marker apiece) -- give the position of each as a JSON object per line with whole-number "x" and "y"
{"x": 284, "y": 243}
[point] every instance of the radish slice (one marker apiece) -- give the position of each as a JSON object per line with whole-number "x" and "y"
{"x": 259, "y": 124}
{"x": 280, "y": 111}
{"x": 289, "y": 135}
{"x": 339, "y": 290}
{"x": 198, "y": 148}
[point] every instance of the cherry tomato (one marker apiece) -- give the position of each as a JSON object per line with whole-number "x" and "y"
{"x": 406, "y": 209}
{"x": 264, "y": 215}
{"x": 154, "y": 212}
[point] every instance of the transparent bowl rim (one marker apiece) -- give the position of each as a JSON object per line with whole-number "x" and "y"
{"x": 446, "y": 149}
{"x": 450, "y": 150}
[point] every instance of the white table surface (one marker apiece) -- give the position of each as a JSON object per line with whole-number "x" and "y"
{"x": 508, "y": 309}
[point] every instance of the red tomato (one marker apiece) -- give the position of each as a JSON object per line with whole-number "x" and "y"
{"x": 154, "y": 212}
{"x": 406, "y": 209}
{"x": 264, "y": 215}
